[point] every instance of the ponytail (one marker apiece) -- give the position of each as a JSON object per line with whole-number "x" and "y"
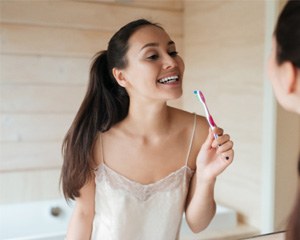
{"x": 104, "y": 104}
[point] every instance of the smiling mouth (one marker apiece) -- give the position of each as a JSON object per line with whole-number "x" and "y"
{"x": 167, "y": 80}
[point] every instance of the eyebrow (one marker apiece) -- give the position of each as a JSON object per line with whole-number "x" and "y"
{"x": 156, "y": 44}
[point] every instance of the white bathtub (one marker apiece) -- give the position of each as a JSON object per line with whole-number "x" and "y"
{"x": 47, "y": 220}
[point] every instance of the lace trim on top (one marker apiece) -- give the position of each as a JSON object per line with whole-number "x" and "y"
{"x": 143, "y": 191}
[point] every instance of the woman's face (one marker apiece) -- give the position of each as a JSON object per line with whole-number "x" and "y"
{"x": 154, "y": 69}
{"x": 285, "y": 80}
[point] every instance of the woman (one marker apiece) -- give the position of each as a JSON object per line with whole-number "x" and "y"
{"x": 128, "y": 156}
{"x": 284, "y": 73}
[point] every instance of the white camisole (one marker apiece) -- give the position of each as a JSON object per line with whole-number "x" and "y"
{"x": 128, "y": 210}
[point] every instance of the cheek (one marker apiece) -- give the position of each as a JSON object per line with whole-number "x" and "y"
{"x": 181, "y": 65}
{"x": 274, "y": 79}
{"x": 272, "y": 68}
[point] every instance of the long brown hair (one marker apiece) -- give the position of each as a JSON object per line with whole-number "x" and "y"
{"x": 105, "y": 104}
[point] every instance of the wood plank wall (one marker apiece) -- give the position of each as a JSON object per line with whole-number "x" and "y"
{"x": 46, "y": 50}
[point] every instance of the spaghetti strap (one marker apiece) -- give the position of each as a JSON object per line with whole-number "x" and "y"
{"x": 191, "y": 141}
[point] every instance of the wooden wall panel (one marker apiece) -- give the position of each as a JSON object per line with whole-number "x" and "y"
{"x": 43, "y": 70}
{"x": 41, "y": 99}
{"x": 86, "y": 15}
{"x": 26, "y": 186}
{"x": 45, "y": 41}
{"x": 30, "y": 155}
{"x": 50, "y": 41}
{"x": 34, "y": 127}
{"x": 154, "y": 4}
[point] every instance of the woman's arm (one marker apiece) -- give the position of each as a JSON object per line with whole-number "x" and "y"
{"x": 201, "y": 205}
{"x": 80, "y": 226}
{"x": 211, "y": 161}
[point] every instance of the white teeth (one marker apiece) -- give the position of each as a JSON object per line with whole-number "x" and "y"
{"x": 168, "y": 79}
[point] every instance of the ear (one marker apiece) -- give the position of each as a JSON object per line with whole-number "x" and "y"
{"x": 288, "y": 77}
{"x": 119, "y": 76}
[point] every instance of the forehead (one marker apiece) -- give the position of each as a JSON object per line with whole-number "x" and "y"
{"x": 148, "y": 34}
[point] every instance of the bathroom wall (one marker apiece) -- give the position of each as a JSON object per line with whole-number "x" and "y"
{"x": 226, "y": 62}
{"x": 46, "y": 49}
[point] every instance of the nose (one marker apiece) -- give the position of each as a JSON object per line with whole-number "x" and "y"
{"x": 169, "y": 62}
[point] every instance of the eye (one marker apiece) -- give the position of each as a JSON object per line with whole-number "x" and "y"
{"x": 173, "y": 53}
{"x": 153, "y": 57}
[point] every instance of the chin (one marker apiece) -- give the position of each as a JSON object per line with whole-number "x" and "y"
{"x": 285, "y": 105}
{"x": 291, "y": 108}
{"x": 176, "y": 95}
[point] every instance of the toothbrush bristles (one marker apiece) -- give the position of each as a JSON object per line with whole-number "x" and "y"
{"x": 200, "y": 95}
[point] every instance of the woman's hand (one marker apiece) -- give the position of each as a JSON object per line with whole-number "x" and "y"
{"x": 215, "y": 155}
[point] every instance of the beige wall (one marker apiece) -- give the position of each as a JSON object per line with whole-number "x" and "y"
{"x": 224, "y": 46}
{"x": 46, "y": 49}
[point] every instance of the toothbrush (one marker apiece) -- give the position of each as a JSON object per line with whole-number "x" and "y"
{"x": 209, "y": 118}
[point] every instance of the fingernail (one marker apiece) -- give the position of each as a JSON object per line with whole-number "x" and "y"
{"x": 227, "y": 158}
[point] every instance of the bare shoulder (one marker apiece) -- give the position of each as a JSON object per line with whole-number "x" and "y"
{"x": 186, "y": 120}
{"x": 201, "y": 131}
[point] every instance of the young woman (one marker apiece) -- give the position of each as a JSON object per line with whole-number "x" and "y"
{"x": 132, "y": 163}
{"x": 284, "y": 73}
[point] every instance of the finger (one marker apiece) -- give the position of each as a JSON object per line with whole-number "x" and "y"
{"x": 218, "y": 131}
{"x": 209, "y": 140}
{"x": 221, "y": 140}
{"x": 225, "y": 147}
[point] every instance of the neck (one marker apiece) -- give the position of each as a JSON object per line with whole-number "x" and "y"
{"x": 148, "y": 120}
